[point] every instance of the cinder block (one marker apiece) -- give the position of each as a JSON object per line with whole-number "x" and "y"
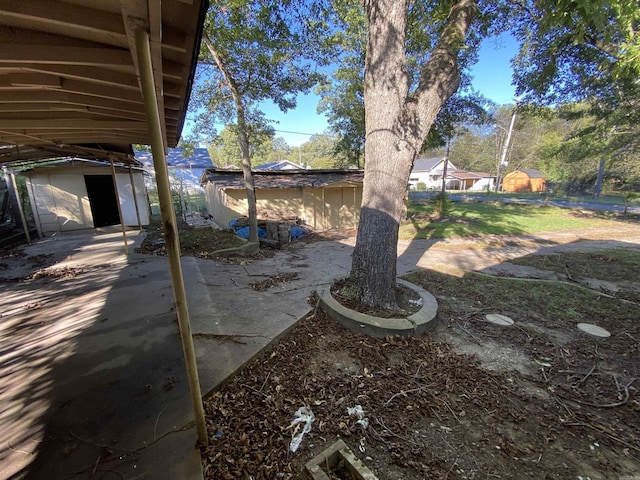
{"x": 332, "y": 456}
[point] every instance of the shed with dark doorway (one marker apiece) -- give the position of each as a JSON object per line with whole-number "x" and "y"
{"x": 524, "y": 181}
{"x": 77, "y": 194}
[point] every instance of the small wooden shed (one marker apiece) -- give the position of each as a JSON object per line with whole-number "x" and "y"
{"x": 323, "y": 199}
{"x": 79, "y": 194}
{"x": 524, "y": 181}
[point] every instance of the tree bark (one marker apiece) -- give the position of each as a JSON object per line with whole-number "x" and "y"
{"x": 598, "y": 187}
{"x": 243, "y": 138}
{"x": 396, "y": 124}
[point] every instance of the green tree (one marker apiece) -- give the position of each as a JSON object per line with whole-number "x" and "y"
{"x": 594, "y": 47}
{"x": 252, "y": 50}
{"x": 321, "y": 152}
{"x": 403, "y": 94}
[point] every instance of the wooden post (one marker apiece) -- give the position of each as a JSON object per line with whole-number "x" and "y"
{"x": 170, "y": 227}
{"x": 115, "y": 187}
{"x": 135, "y": 199}
{"x": 13, "y": 190}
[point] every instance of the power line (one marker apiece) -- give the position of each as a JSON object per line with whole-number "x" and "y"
{"x": 281, "y": 131}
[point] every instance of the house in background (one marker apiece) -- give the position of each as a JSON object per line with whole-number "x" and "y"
{"x": 322, "y": 199}
{"x": 280, "y": 165}
{"x": 469, "y": 181}
{"x": 186, "y": 170}
{"x": 524, "y": 181}
{"x": 429, "y": 171}
{"x": 76, "y": 194}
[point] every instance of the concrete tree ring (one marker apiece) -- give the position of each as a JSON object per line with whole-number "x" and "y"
{"x": 420, "y": 322}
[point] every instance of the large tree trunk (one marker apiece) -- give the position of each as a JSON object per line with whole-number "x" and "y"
{"x": 243, "y": 138}
{"x": 249, "y": 185}
{"x": 396, "y": 125}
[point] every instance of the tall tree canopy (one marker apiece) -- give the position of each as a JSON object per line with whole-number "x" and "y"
{"x": 253, "y": 50}
{"x": 585, "y": 52}
{"x": 415, "y": 54}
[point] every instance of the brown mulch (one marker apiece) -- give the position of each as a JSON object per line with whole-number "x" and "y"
{"x": 431, "y": 413}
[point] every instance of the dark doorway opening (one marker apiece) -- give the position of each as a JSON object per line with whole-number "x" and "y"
{"x": 102, "y": 198}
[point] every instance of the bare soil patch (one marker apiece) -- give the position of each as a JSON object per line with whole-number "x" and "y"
{"x": 194, "y": 242}
{"x": 539, "y": 399}
{"x": 274, "y": 280}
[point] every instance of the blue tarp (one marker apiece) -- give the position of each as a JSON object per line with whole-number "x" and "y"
{"x": 296, "y": 232}
{"x": 244, "y": 232}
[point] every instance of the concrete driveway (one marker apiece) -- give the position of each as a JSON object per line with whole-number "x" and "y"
{"x": 92, "y": 372}
{"x": 93, "y": 380}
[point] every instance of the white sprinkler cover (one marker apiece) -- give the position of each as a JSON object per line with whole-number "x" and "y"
{"x": 498, "y": 319}
{"x": 594, "y": 330}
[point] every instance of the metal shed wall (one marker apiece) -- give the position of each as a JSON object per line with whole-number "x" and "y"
{"x": 60, "y": 200}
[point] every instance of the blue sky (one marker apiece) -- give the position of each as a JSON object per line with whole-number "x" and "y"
{"x": 491, "y": 77}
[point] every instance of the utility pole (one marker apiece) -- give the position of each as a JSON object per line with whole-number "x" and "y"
{"x": 505, "y": 148}
{"x": 445, "y": 167}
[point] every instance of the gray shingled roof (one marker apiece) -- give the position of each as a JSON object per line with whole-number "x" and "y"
{"x": 533, "y": 173}
{"x": 283, "y": 178}
{"x": 426, "y": 164}
{"x": 175, "y": 158}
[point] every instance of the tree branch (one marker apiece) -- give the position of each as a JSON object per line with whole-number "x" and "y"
{"x": 441, "y": 72}
{"x": 243, "y": 138}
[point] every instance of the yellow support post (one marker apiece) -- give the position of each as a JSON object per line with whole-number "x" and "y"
{"x": 170, "y": 227}
{"x": 115, "y": 188}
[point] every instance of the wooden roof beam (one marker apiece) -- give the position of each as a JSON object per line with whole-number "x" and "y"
{"x": 65, "y": 19}
{"x": 62, "y": 55}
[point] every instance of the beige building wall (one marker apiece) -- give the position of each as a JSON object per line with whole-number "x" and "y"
{"x": 321, "y": 208}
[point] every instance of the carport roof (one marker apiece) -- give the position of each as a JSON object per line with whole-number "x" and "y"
{"x": 69, "y": 80}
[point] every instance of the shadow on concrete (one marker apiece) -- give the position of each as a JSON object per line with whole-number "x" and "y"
{"x": 93, "y": 373}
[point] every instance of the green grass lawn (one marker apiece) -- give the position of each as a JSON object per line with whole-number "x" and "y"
{"x": 476, "y": 219}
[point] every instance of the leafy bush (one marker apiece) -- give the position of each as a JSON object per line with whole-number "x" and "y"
{"x": 442, "y": 203}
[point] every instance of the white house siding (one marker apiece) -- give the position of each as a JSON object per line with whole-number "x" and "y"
{"x": 431, "y": 178}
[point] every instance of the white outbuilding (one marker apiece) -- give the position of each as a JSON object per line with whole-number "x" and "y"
{"x": 76, "y": 194}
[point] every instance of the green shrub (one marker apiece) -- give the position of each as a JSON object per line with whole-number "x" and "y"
{"x": 442, "y": 203}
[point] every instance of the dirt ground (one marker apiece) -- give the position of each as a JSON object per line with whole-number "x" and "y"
{"x": 539, "y": 399}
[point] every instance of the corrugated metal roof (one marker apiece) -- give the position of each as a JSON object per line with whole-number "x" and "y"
{"x": 283, "y": 179}
{"x": 69, "y": 82}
